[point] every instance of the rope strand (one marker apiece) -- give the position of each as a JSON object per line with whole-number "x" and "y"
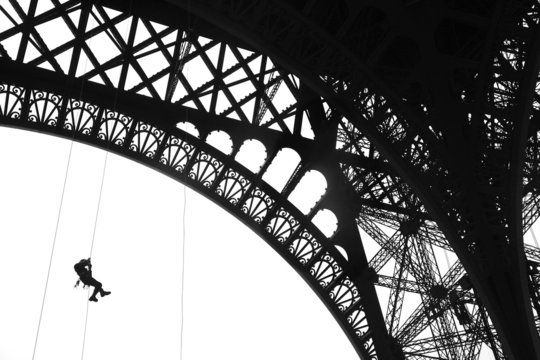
{"x": 99, "y": 201}
{"x": 92, "y": 245}
{"x": 183, "y": 268}
{"x": 184, "y": 215}
{"x": 85, "y": 323}
{"x": 183, "y": 273}
{"x": 53, "y": 247}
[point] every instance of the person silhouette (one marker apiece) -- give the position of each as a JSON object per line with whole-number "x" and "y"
{"x": 84, "y": 270}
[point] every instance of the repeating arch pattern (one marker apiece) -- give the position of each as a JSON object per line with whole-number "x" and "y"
{"x": 190, "y": 160}
{"x": 385, "y": 207}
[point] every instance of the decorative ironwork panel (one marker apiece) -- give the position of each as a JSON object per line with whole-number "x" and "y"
{"x": 44, "y": 107}
{"x": 257, "y": 205}
{"x": 282, "y": 225}
{"x": 176, "y": 153}
{"x": 326, "y": 270}
{"x": 304, "y": 247}
{"x": 233, "y": 186}
{"x": 146, "y": 139}
{"x": 205, "y": 169}
{"x": 11, "y": 99}
{"x": 345, "y": 294}
{"x": 114, "y": 127}
{"x": 81, "y": 116}
{"x": 358, "y": 321}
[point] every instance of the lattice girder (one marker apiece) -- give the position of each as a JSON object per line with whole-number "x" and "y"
{"x": 190, "y": 160}
{"x": 114, "y": 99}
{"x": 393, "y": 153}
{"x": 431, "y": 123}
{"x": 203, "y": 117}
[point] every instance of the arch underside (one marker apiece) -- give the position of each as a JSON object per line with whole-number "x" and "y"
{"x": 206, "y": 170}
{"x": 83, "y": 100}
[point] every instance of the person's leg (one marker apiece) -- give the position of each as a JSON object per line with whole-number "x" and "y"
{"x": 98, "y": 287}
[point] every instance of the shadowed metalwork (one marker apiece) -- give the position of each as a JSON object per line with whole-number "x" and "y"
{"x": 421, "y": 116}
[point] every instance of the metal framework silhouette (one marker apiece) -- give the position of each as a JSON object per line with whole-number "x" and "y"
{"x": 423, "y": 117}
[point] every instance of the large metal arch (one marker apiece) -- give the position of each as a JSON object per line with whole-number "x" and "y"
{"x": 320, "y": 47}
{"x": 309, "y": 51}
{"x": 211, "y": 173}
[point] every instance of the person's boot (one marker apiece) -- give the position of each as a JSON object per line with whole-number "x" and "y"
{"x": 93, "y": 298}
{"x": 105, "y": 293}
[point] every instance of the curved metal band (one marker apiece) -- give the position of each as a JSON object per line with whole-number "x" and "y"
{"x": 195, "y": 163}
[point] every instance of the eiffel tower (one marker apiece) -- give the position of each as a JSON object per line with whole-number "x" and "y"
{"x": 423, "y": 118}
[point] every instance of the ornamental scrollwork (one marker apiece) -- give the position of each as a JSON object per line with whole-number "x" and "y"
{"x": 80, "y": 116}
{"x": 357, "y": 318}
{"x": 122, "y": 133}
{"x": 146, "y": 139}
{"x": 233, "y": 186}
{"x": 11, "y": 101}
{"x": 326, "y": 270}
{"x": 257, "y": 205}
{"x": 176, "y": 154}
{"x": 205, "y": 169}
{"x": 345, "y": 294}
{"x": 44, "y": 107}
{"x": 367, "y": 341}
{"x": 305, "y": 247}
{"x": 282, "y": 225}
{"x": 358, "y": 321}
{"x": 114, "y": 127}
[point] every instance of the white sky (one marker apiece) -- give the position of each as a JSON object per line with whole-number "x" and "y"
{"x": 242, "y": 301}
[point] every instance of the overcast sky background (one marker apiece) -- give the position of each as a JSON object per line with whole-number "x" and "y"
{"x": 241, "y": 300}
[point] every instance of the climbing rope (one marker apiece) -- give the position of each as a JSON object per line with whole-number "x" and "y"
{"x": 183, "y": 250}
{"x": 183, "y": 273}
{"x": 92, "y": 245}
{"x": 99, "y": 203}
{"x": 56, "y": 229}
{"x": 52, "y": 249}
{"x": 184, "y": 206}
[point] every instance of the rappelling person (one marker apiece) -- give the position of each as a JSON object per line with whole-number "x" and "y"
{"x": 84, "y": 269}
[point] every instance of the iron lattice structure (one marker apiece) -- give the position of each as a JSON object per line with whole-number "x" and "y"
{"x": 423, "y": 117}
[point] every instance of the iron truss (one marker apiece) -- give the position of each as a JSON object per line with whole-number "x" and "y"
{"x": 426, "y": 132}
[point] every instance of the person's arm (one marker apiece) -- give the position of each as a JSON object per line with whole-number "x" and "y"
{"x": 87, "y": 263}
